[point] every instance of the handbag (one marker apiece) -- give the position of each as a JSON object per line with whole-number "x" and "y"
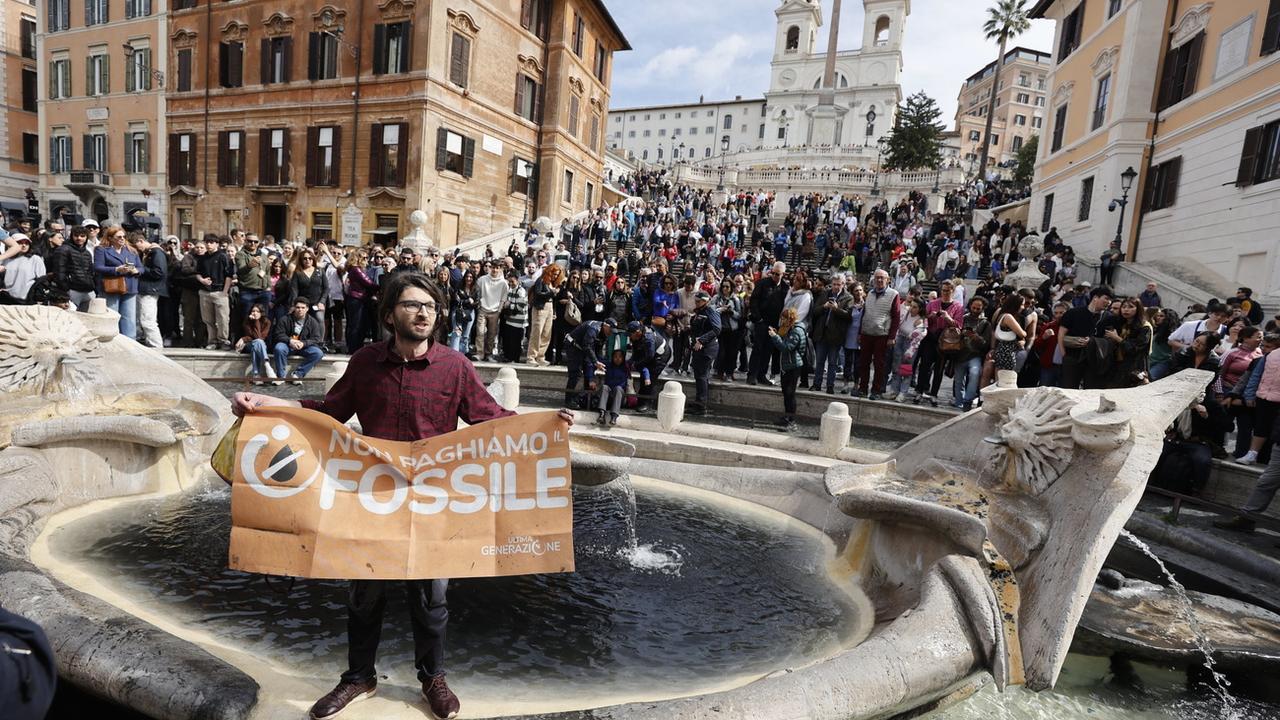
{"x": 951, "y": 341}
{"x": 115, "y": 285}
{"x": 572, "y": 314}
{"x": 658, "y": 321}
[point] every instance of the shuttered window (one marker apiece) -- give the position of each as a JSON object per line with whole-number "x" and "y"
{"x": 1181, "y": 67}
{"x": 182, "y": 159}
{"x": 1086, "y": 199}
{"x": 1072, "y": 32}
{"x": 388, "y": 154}
{"x": 137, "y": 152}
{"x": 1046, "y": 218}
{"x": 184, "y": 70}
{"x": 322, "y": 56}
{"x": 392, "y": 48}
{"x": 1260, "y": 156}
{"x": 273, "y": 156}
{"x": 1271, "y": 30}
{"x": 455, "y": 152}
{"x": 574, "y": 103}
{"x": 459, "y": 59}
{"x": 533, "y": 17}
{"x": 276, "y": 60}
{"x": 231, "y": 64}
{"x": 231, "y": 158}
{"x": 324, "y": 155}
{"x": 521, "y": 175}
{"x": 1059, "y": 128}
{"x": 1162, "y": 185}
{"x": 528, "y": 98}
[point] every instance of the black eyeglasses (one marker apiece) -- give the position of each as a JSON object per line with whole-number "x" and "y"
{"x": 414, "y": 307}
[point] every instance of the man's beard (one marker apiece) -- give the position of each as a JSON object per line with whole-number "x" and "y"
{"x": 405, "y": 330}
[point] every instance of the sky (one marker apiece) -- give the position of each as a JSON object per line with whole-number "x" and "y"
{"x": 722, "y": 48}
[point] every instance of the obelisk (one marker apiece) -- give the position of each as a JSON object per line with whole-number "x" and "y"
{"x": 824, "y": 118}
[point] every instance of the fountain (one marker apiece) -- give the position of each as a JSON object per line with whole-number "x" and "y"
{"x": 702, "y": 591}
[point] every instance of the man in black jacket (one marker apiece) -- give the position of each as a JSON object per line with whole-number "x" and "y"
{"x": 767, "y": 300}
{"x": 297, "y": 334}
{"x": 704, "y": 333}
{"x": 73, "y": 269}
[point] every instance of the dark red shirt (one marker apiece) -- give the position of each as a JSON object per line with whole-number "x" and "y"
{"x": 395, "y": 399}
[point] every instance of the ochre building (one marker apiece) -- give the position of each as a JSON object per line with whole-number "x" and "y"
{"x": 303, "y": 120}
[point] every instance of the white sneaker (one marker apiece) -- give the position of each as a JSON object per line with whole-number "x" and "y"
{"x": 1248, "y": 458}
{"x": 901, "y": 397}
{"x": 294, "y": 379}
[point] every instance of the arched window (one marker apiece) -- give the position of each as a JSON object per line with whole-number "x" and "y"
{"x": 659, "y": 153}
{"x": 728, "y": 122}
{"x": 644, "y": 155}
{"x": 882, "y": 30}
{"x": 793, "y": 38}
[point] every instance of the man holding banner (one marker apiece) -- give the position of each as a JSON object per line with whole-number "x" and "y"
{"x": 409, "y": 388}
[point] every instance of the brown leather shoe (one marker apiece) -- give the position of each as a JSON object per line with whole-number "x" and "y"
{"x": 444, "y": 704}
{"x": 340, "y": 697}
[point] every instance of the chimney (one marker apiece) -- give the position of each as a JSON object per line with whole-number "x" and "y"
{"x": 700, "y": 98}
{"x": 737, "y": 97}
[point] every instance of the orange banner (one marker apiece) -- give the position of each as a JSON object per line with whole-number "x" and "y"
{"x": 312, "y": 498}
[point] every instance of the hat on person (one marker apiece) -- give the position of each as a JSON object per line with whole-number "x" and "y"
{"x": 1086, "y": 283}
{"x": 634, "y": 326}
{"x": 701, "y": 295}
{"x": 89, "y": 222}
{"x": 20, "y": 238}
{"x": 612, "y": 323}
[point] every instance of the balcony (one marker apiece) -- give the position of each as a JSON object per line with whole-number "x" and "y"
{"x": 88, "y": 180}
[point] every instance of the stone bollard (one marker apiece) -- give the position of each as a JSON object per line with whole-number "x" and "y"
{"x": 670, "y": 405}
{"x": 833, "y": 433}
{"x": 332, "y": 378}
{"x": 103, "y": 322}
{"x": 510, "y": 384}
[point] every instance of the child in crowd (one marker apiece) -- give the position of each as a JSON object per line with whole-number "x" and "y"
{"x": 613, "y": 389}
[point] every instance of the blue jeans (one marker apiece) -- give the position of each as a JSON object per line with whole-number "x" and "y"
{"x": 964, "y": 389}
{"x": 127, "y": 306}
{"x": 898, "y": 384}
{"x": 311, "y": 355}
{"x": 258, "y": 356}
{"x": 826, "y": 357}
{"x": 249, "y": 298}
{"x": 460, "y": 338}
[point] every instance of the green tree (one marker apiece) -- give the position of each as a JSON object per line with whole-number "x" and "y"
{"x": 1026, "y": 161}
{"x": 916, "y": 139}
{"x": 1006, "y": 20}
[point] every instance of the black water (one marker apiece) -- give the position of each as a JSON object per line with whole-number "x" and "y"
{"x": 710, "y": 593}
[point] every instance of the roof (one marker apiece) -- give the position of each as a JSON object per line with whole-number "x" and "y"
{"x": 1012, "y": 51}
{"x": 1038, "y": 10}
{"x": 740, "y": 101}
{"x": 613, "y": 25}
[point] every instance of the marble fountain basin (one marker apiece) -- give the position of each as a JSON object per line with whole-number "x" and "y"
{"x": 904, "y": 582}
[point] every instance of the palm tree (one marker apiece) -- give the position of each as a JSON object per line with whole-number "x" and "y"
{"x": 1006, "y": 20}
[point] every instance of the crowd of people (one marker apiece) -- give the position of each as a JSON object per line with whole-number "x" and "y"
{"x": 833, "y": 294}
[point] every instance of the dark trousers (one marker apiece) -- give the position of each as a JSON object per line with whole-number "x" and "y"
{"x": 873, "y": 350}
{"x": 512, "y": 342}
{"x": 170, "y": 308}
{"x": 575, "y": 362}
{"x": 357, "y": 324}
{"x": 762, "y": 351}
{"x": 194, "y": 332}
{"x": 790, "y": 379}
{"x": 647, "y": 394}
{"x": 428, "y": 612}
{"x": 1073, "y": 369}
{"x": 701, "y": 362}
{"x": 929, "y": 380}
{"x": 727, "y": 361}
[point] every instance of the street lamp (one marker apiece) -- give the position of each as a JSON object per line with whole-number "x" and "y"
{"x": 724, "y": 148}
{"x": 875, "y": 180}
{"x": 676, "y": 158}
{"x": 1126, "y": 183}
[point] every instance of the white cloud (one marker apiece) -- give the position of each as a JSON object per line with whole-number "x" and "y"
{"x": 673, "y": 61}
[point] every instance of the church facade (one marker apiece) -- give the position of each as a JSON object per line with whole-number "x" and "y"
{"x": 797, "y": 111}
